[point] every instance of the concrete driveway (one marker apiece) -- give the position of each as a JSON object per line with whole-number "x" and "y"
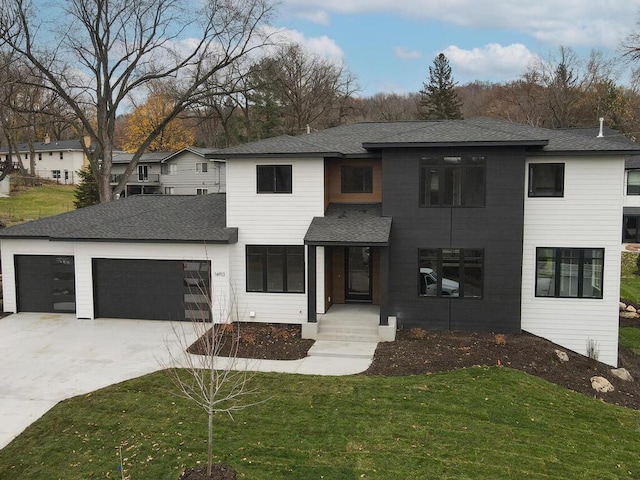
{"x": 45, "y": 358}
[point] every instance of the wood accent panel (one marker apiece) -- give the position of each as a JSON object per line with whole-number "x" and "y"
{"x": 333, "y": 182}
{"x": 338, "y": 264}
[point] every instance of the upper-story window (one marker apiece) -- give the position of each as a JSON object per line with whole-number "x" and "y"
{"x": 202, "y": 167}
{"x": 452, "y": 181}
{"x": 633, "y": 182}
{"x": 546, "y": 179}
{"x": 40, "y": 156}
{"x": 357, "y": 179}
{"x": 169, "y": 169}
{"x": 274, "y": 178}
{"x": 61, "y": 155}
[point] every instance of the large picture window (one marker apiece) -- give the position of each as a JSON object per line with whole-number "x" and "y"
{"x": 275, "y": 269}
{"x": 357, "y": 179}
{"x": 452, "y": 181}
{"x": 546, "y": 179}
{"x": 569, "y": 272}
{"x": 274, "y": 179}
{"x": 451, "y": 272}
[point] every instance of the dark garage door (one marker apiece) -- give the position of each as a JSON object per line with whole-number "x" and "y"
{"x": 146, "y": 289}
{"x": 45, "y": 283}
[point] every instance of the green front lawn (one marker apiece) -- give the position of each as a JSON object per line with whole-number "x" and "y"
{"x": 37, "y": 202}
{"x": 492, "y": 423}
{"x": 630, "y": 338}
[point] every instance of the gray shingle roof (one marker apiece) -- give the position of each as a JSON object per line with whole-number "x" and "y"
{"x": 141, "y": 218}
{"x": 344, "y": 224}
{"x": 52, "y": 146}
{"x": 148, "y": 157}
{"x": 359, "y": 139}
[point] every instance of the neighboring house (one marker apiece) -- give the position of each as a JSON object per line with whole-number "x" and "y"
{"x": 55, "y": 160}
{"x": 145, "y": 179}
{"x": 473, "y": 224}
{"x": 189, "y": 171}
{"x": 185, "y": 172}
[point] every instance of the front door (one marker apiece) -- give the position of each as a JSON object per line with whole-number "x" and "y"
{"x": 358, "y": 274}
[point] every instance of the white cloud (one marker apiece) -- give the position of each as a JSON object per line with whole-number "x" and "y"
{"x": 492, "y": 62}
{"x": 320, "y": 17}
{"x": 322, "y": 46}
{"x": 572, "y": 23}
{"x": 405, "y": 53}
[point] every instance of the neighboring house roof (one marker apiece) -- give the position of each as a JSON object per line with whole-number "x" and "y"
{"x": 632, "y": 162}
{"x": 140, "y": 218}
{"x": 148, "y": 157}
{"x": 349, "y": 223}
{"x": 365, "y": 139}
{"x": 202, "y": 152}
{"x": 52, "y": 146}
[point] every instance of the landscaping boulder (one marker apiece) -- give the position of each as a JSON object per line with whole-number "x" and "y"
{"x": 623, "y": 306}
{"x": 631, "y": 308}
{"x": 562, "y": 356}
{"x": 601, "y": 384}
{"x": 622, "y": 374}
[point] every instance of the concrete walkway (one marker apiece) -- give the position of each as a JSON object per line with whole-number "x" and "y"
{"x": 45, "y": 358}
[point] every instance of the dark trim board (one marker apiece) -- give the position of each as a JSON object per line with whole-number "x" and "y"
{"x": 496, "y": 228}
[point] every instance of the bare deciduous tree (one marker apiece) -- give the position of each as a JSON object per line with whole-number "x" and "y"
{"x": 215, "y": 379}
{"x": 100, "y": 53}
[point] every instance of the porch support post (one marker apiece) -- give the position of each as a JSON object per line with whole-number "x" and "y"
{"x": 311, "y": 284}
{"x": 384, "y": 285}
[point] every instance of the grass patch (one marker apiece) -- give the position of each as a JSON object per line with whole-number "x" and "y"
{"x": 630, "y": 338}
{"x": 630, "y": 281}
{"x": 37, "y": 202}
{"x": 492, "y": 423}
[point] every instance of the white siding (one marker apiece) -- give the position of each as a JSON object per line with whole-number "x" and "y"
{"x": 588, "y": 216}
{"x": 273, "y": 219}
{"x": 72, "y": 162}
{"x": 186, "y": 180}
{"x": 84, "y": 252}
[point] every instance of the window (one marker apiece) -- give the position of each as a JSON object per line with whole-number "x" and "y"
{"x": 55, "y": 173}
{"x": 143, "y": 173}
{"x": 202, "y": 167}
{"x": 276, "y": 269}
{"x": 202, "y": 191}
{"x": 451, "y": 272}
{"x": 274, "y": 179}
{"x": 357, "y": 179}
{"x": 169, "y": 169}
{"x": 633, "y": 182}
{"x": 546, "y": 179}
{"x": 40, "y": 156}
{"x": 169, "y": 190}
{"x": 61, "y": 155}
{"x": 452, "y": 181}
{"x": 569, "y": 272}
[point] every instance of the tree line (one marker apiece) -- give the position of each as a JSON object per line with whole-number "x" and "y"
{"x": 117, "y": 72}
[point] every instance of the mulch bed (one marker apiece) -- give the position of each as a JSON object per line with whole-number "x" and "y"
{"x": 417, "y": 352}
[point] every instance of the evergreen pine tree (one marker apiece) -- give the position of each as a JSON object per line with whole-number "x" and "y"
{"x": 87, "y": 190}
{"x": 438, "y": 100}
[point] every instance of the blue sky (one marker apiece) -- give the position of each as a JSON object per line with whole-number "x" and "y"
{"x": 389, "y": 44}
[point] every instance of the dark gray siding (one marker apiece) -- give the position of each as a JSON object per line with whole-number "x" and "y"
{"x": 497, "y": 228}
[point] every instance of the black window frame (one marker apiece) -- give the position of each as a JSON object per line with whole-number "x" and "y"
{"x": 452, "y": 168}
{"x": 463, "y": 253}
{"x": 557, "y": 271}
{"x": 630, "y": 224}
{"x": 287, "y": 252}
{"x": 633, "y": 188}
{"x": 558, "y": 190}
{"x": 269, "y": 174}
{"x": 360, "y": 174}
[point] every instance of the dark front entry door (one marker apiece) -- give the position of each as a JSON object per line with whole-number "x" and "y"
{"x": 358, "y": 274}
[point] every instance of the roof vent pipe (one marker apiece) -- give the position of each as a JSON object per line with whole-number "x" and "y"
{"x": 600, "y": 134}
{"x": 308, "y": 129}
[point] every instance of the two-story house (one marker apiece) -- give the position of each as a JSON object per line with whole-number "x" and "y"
{"x": 473, "y": 224}
{"x": 55, "y": 160}
{"x": 188, "y": 171}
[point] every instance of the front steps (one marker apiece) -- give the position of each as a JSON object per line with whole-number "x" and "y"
{"x": 347, "y": 329}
